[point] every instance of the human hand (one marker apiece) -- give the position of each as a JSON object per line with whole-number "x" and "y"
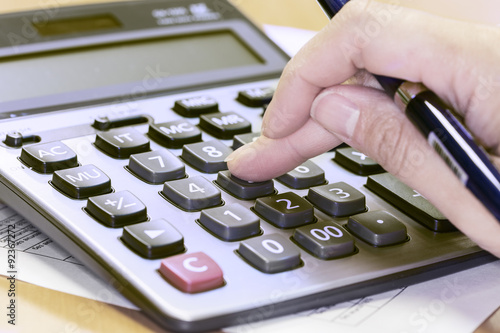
{"x": 312, "y": 111}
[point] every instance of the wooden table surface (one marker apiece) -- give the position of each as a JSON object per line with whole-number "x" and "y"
{"x": 45, "y": 310}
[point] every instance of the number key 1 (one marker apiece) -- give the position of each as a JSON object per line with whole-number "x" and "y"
{"x": 231, "y": 222}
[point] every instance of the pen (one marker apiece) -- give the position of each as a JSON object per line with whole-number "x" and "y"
{"x": 444, "y": 132}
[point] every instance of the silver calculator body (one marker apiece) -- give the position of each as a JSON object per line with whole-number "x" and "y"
{"x": 74, "y": 74}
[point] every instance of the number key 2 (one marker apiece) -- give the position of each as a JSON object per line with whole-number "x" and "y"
{"x": 285, "y": 210}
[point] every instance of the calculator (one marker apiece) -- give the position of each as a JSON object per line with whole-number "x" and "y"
{"x": 115, "y": 123}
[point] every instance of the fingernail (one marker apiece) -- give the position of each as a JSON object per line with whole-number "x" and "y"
{"x": 336, "y": 113}
{"x": 238, "y": 152}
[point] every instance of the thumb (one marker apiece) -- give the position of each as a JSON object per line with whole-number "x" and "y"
{"x": 369, "y": 121}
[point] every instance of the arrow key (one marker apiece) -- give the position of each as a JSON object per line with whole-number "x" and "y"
{"x": 154, "y": 239}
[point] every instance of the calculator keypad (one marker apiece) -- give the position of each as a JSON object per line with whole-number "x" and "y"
{"x": 158, "y": 200}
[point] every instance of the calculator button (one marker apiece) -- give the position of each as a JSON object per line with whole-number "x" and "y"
{"x": 207, "y": 156}
{"x": 14, "y": 139}
{"x": 193, "y": 193}
{"x": 49, "y": 157}
{"x": 153, "y": 239}
{"x": 192, "y": 272}
{"x": 82, "y": 182}
{"x": 285, "y": 210}
{"x": 325, "y": 240}
{"x": 157, "y": 166}
{"x": 117, "y": 209}
{"x": 356, "y": 162}
{"x": 408, "y": 201}
{"x": 104, "y": 123}
{"x": 122, "y": 142}
{"x": 305, "y": 175}
{"x": 243, "y": 139}
{"x": 231, "y": 222}
{"x": 255, "y": 97}
{"x": 225, "y": 125}
{"x": 270, "y": 253}
{"x": 337, "y": 199}
{"x": 378, "y": 228}
{"x": 195, "y": 106}
{"x": 174, "y": 134}
{"x": 242, "y": 189}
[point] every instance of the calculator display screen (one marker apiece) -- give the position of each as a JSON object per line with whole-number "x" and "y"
{"x": 145, "y": 62}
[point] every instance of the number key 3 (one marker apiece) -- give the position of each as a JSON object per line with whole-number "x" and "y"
{"x": 337, "y": 199}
